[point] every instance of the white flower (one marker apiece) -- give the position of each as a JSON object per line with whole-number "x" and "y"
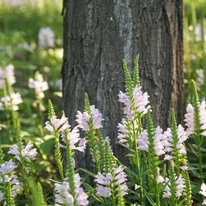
{"x": 11, "y": 101}
{"x": 57, "y": 124}
{"x": 8, "y": 73}
{"x": 46, "y": 37}
{"x": 74, "y": 138}
{"x": 39, "y": 85}
{"x": 159, "y": 178}
{"x": 180, "y": 186}
{"x": 203, "y": 189}
{"x": 159, "y": 141}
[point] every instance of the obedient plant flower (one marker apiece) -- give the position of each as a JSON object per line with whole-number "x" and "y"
{"x": 57, "y": 124}
{"x": 200, "y": 78}
{"x": 64, "y": 197}
{"x": 202, "y": 109}
{"x": 39, "y": 85}
{"x": 46, "y": 37}
{"x": 189, "y": 119}
{"x": 27, "y": 153}
{"x": 8, "y": 73}
{"x": 11, "y": 101}
{"x": 158, "y": 141}
{"x": 83, "y": 118}
{"x": 159, "y": 178}
{"x": 142, "y": 141}
{"x": 180, "y": 185}
{"x": 203, "y": 192}
{"x": 74, "y": 138}
{"x": 140, "y": 100}
{"x": 105, "y": 181}
{"x": 122, "y": 131}
{"x": 7, "y": 175}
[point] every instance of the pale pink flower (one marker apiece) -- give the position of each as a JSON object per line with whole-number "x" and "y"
{"x": 180, "y": 186}
{"x": 96, "y": 117}
{"x": 141, "y": 100}
{"x": 62, "y": 195}
{"x": 103, "y": 179}
{"x": 82, "y": 119}
{"x": 166, "y": 190}
{"x": 103, "y": 191}
{"x": 26, "y": 152}
{"x": 202, "y": 111}
{"x": 46, "y": 37}
{"x": 159, "y": 141}
{"x": 7, "y": 167}
{"x": 74, "y": 138}
{"x": 7, "y": 174}
{"x": 122, "y": 131}
{"x": 182, "y": 136}
{"x": 57, "y": 124}
{"x": 120, "y": 179}
{"x": 39, "y": 85}
{"x": 189, "y": 119}
{"x": 142, "y": 141}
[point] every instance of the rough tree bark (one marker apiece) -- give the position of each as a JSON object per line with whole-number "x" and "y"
{"x": 99, "y": 34}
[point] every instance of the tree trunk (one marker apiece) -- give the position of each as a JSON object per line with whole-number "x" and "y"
{"x": 99, "y": 34}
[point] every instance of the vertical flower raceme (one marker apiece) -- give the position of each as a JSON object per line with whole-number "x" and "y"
{"x": 179, "y": 187}
{"x": 57, "y": 125}
{"x": 11, "y": 101}
{"x": 202, "y": 111}
{"x": 142, "y": 141}
{"x": 139, "y": 102}
{"x": 46, "y": 37}
{"x": 189, "y": 119}
{"x": 8, "y": 181}
{"x": 74, "y": 138}
{"x": 8, "y": 73}
{"x": 106, "y": 182}
{"x": 39, "y": 85}
{"x": 83, "y": 118}
{"x": 63, "y": 194}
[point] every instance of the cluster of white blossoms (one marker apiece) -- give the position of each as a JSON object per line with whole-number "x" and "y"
{"x": 8, "y": 73}
{"x": 11, "y": 101}
{"x": 46, "y": 37}
{"x": 39, "y": 85}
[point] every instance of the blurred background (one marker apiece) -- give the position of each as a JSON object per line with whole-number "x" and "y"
{"x": 31, "y": 40}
